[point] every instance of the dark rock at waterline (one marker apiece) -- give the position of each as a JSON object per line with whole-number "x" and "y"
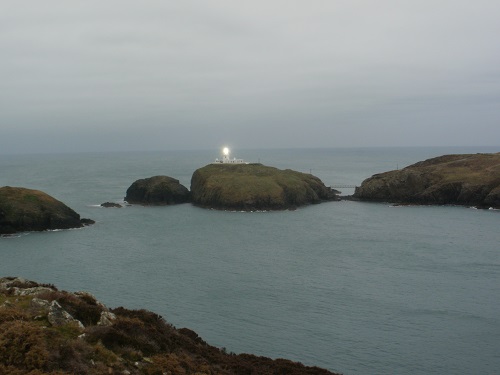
{"x": 157, "y": 190}
{"x": 111, "y": 205}
{"x": 24, "y": 210}
{"x": 252, "y": 187}
{"x": 462, "y": 179}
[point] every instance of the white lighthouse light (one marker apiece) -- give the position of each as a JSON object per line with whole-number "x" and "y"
{"x": 225, "y": 158}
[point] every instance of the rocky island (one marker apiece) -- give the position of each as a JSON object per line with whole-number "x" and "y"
{"x": 24, "y": 210}
{"x": 157, "y": 190}
{"x": 47, "y": 331}
{"x": 251, "y": 187}
{"x": 462, "y": 179}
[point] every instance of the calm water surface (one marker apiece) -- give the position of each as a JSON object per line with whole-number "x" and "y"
{"x": 358, "y": 288}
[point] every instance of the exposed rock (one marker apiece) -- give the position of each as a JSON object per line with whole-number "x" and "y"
{"x": 57, "y": 316}
{"x": 251, "y": 187}
{"x": 24, "y": 209}
{"x": 111, "y": 205}
{"x": 30, "y": 291}
{"x": 38, "y": 303}
{"x": 157, "y": 190}
{"x": 107, "y": 319}
{"x": 466, "y": 179}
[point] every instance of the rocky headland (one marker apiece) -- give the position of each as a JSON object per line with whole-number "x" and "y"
{"x": 24, "y": 210}
{"x": 47, "y": 331}
{"x": 251, "y": 187}
{"x": 462, "y": 179}
{"x": 158, "y": 191}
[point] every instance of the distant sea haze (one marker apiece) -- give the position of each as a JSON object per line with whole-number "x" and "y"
{"x": 358, "y": 288}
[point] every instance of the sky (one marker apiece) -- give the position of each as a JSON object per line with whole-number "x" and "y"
{"x": 113, "y": 75}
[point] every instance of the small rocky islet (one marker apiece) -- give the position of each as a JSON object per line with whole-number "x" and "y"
{"x": 47, "y": 331}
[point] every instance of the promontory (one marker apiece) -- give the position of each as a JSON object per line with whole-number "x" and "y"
{"x": 24, "y": 210}
{"x": 250, "y": 187}
{"x": 461, "y": 179}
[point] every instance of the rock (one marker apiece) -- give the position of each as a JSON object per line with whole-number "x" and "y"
{"x": 111, "y": 205}
{"x": 107, "y": 319}
{"x": 251, "y": 187}
{"x": 465, "y": 179}
{"x": 38, "y": 303}
{"x": 157, "y": 190}
{"x": 24, "y": 209}
{"x": 31, "y": 291}
{"x": 57, "y": 316}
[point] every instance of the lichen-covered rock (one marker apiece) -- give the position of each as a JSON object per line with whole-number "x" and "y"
{"x": 107, "y": 319}
{"x": 58, "y": 317}
{"x": 466, "y": 179}
{"x": 157, "y": 190}
{"x": 252, "y": 187}
{"x": 24, "y": 209}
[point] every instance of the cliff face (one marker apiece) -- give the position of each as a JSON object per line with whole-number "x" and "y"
{"x": 157, "y": 190}
{"x": 24, "y": 209}
{"x": 466, "y": 179}
{"x": 47, "y": 331}
{"x": 255, "y": 187}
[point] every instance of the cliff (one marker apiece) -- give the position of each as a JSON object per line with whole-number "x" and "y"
{"x": 252, "y": 187}
{"x": 157, "y": 190}
{"x": 465, "y": 179}
{"x": 24, "y": 209}
{"x": 47, "y": 331}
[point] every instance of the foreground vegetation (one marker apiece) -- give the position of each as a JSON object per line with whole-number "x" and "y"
{"x": 47, "y": 331}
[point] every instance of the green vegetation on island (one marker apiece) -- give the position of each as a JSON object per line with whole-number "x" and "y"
{"x": 24, "y": 209}
{"x": 462, "y": 179}
{"x": 47, "y": 331}
{"x": 251, "y": 187}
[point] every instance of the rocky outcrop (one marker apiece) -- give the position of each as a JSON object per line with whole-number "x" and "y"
{"x": 253, "y": 187}
{"x": 111, "y": 205}
{"x": 157, "y": 190}
{"x": 24, "y": 210}
{"x": 464, "y": 179}
{"x": 73, "y": 333}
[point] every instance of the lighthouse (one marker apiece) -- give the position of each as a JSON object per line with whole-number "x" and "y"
{"x": 226, "y": 160}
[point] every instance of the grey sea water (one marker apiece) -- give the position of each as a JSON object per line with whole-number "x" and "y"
{"x": 358, "y": 288}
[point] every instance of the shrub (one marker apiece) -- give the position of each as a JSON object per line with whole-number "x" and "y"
{"x": 22, "y": 345}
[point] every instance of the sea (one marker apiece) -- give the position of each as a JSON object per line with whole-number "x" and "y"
{"x": 357, "y": 288}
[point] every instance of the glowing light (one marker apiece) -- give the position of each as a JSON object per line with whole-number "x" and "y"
{"x": 225, "y": 151}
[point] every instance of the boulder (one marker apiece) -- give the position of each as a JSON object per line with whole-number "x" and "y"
{"x": 251, "y": 187}
{"x": 57, "y": 316}
{"x": 24, "y": 210}
{"x": 157, "y": 190}
{"x": 462, "y": 179}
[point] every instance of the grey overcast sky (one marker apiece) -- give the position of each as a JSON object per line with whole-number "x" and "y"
{"x": 157, "y": 75}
